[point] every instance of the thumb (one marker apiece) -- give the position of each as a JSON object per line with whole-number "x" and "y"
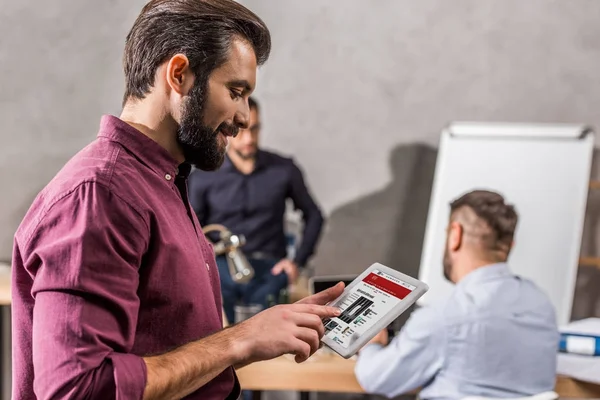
{"x": 276, "y": 270}
{"x": 325, "y": 296}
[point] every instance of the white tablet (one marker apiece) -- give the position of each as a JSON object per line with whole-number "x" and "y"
{"x": 369, "y": 304}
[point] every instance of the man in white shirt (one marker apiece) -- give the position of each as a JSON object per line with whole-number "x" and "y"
{"x": 496, "y": 336}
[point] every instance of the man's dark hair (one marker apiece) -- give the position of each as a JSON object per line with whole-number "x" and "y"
{"x": 203, "y": 30}
{"x": 253, "y": 104}
{"x": 491, "y": 208}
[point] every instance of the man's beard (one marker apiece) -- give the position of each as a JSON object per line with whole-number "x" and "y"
{"x": 200, "y": 143}
{"x": 447, "y": 263}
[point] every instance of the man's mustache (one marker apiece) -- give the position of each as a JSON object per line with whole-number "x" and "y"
{"x": 228, "y": 129}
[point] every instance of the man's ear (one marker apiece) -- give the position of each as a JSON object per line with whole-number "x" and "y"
{"x": 179, "y": 76}
{"x": 455, "y": 235}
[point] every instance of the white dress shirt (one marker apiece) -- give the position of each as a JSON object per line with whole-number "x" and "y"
{"x": 496, "y": 336}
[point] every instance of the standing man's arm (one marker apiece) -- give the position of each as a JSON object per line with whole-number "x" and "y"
{"x": 311, "y": 214}
{"x": 85, "y": 256}
{"x": 411, "y": 360}
{"x": 285, "y": 329}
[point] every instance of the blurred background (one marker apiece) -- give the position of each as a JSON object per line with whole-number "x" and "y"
{"x": 356, "y": 91}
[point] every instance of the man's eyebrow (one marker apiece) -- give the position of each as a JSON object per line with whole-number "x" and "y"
{"x": 241, "y": 83}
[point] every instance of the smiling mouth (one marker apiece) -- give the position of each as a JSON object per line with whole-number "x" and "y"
{"x": 228, "y": 133}
{"x": 224, "y": 137}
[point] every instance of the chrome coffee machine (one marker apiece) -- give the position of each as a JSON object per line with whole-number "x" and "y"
{"x": 229, "y": 245}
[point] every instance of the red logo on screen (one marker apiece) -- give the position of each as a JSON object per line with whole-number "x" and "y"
{"x": 387, "y": 286}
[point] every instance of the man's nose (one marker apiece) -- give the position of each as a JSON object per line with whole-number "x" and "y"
{"x": 242, "y": 115}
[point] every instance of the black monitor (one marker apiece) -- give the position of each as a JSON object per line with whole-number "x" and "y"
{"x": 317, "y": 284}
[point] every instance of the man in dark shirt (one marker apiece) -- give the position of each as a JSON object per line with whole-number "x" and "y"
{"x": 115, "y": 289}
{"x": 248, "y": 196}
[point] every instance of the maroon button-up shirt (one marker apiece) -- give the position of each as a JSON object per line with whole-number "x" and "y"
{"x": 109, "y": 265}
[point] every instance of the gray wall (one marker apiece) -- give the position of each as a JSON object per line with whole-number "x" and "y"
{"x": 349, "y": 80}
{"x": 60, "y": 69}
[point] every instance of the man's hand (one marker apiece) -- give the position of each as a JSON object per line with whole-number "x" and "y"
{"x": 381, "y": 338}
{"x": 286, "y": 329}
{"x": 292, "y": 328}
{"x": 324, "y": 296}
{"x": 289, "y": 267}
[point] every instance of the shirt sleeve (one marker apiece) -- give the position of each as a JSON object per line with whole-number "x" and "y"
{"x": 84, "y": 258}
{"x": 411, "y": 360}
{"x": 311, "y": 214}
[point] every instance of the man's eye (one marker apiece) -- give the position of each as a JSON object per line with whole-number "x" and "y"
{"x": 235, "y": 94}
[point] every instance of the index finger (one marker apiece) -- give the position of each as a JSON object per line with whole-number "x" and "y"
{"x": 321, "y": 311}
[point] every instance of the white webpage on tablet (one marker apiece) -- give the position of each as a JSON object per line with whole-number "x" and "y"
{"x": 369, "y": 304}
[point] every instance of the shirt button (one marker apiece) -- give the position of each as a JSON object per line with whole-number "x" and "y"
{"x": 168, "y": 177}
{"x": 207, "y": 266}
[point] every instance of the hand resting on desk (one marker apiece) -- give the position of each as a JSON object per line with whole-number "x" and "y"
{"x": 381, "y": 338}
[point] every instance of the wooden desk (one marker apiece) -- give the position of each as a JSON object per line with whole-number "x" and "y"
{"x": 324, "y": 372}
{"x": 330, "y": 373}
{"x": 5, "y": 338}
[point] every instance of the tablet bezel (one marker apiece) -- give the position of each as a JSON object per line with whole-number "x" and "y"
{"x": 420, "y": 289}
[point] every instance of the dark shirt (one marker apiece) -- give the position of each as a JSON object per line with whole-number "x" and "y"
{"x": 254, "y": 204}
{"x": 109, "y": 265}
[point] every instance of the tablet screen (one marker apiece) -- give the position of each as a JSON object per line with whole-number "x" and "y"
{"x": 364, "y": 305}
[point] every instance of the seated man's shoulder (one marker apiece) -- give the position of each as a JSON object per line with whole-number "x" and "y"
{"x": 530, "y": 286}
{"x": 453, "y": 307}
{"x": 535, "y": 295}
{"x": 520, "y": 294}
{"x": 429, "y": 316}
{"x": 462, "y": 306}
{"x": 513, "y": 295}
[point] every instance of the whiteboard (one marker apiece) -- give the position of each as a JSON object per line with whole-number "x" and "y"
{"x": 544, "y": 171}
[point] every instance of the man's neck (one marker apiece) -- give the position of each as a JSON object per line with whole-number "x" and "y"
{"x": 151, "y": 118}
{"x": 244, "y": 165}
{"x": 467, "y": 268}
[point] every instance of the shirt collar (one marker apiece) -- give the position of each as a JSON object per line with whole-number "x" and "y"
{"x": 487, "y": 273}
{"x": 142, "y": 147}
{"x": 228, "y": 165}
